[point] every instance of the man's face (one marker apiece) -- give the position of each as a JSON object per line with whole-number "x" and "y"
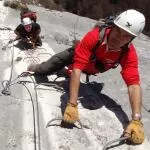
{"x": 118, "y": 38}
{"x": 28, "y": 27}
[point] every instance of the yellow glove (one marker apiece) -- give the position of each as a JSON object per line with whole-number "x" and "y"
{"x": 71, "y": 114}
{"x": 135, "y": 132}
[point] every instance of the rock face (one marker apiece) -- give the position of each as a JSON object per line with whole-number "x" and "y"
{"x": 96, "y": 9}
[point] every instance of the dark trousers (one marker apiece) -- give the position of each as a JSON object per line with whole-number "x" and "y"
{"x": 56, "y": 62}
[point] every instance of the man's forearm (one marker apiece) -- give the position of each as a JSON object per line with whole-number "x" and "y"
{"x": 36, "y": 35}
{"x": 74, "y": 85}
{"x": 135, "y": 100}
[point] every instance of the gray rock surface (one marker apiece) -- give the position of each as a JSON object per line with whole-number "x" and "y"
{"x": 103, "y": 104}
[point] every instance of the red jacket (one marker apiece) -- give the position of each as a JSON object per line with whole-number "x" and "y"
{"x": 83, "y": 53}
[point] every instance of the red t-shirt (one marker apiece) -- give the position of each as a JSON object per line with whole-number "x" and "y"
{"x": 83, "y": 54}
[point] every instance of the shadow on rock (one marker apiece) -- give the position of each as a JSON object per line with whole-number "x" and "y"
{"x": 91, "y": 98}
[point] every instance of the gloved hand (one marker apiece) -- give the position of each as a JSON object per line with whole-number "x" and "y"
{"x": 71, "y": 113}
{"x": 135, "y": 132}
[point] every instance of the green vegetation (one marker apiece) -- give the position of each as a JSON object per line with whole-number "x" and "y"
{"x": 49, "y": 4}
{"x": 14, "y": 4}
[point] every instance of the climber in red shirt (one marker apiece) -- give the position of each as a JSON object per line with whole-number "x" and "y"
{"x": 115, "y": 48}
{"x": 129, "y": 62}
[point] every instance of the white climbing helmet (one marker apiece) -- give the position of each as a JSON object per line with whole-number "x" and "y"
{"x": 131, "y": 21}
{"x": 26, "y": 21}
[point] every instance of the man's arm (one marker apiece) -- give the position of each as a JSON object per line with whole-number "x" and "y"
{"x": 135, "y": 100}
{"x": 134, "y": 130}
{"x": 19, "y": 29}
{"x": 82, "y": 55}
{"x": 130, "y": 74}
{"x": 74, "y": 85}
{"x": 71, "y": 111}
{"x": 37, "y": 31}
{"x": 17, "y": 35}
{"x": 36, "y": 35}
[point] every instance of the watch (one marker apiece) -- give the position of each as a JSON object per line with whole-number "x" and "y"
{"x": 137, "y": 116}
